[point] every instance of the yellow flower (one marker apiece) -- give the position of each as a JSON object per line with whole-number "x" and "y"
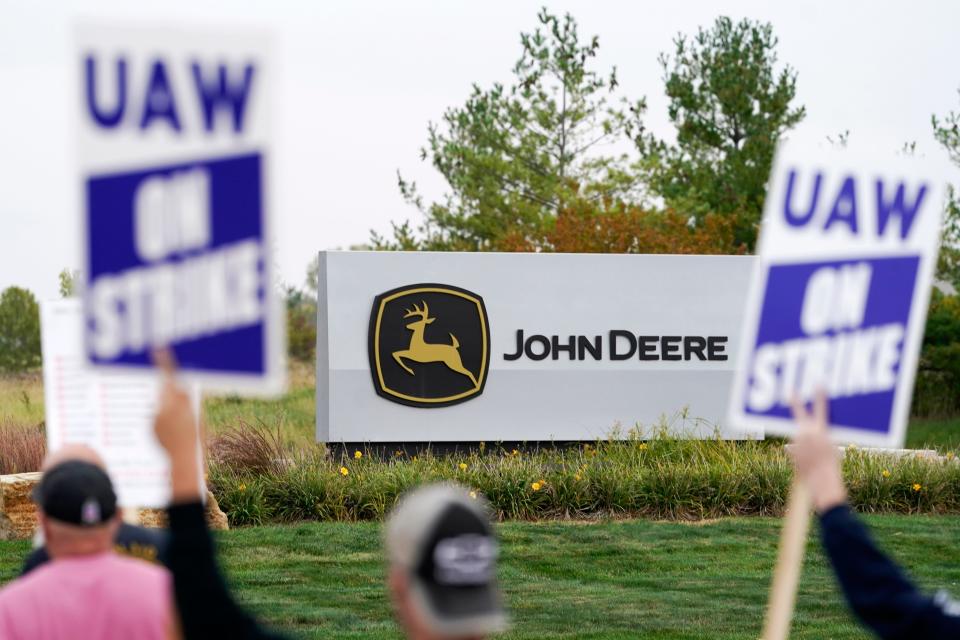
{"x": 576, "y": 477}
{"x": 514, "y": 453}
{"x": 917, "y": 486}
{"x": 642, "y": 446}
{"x": 473, "y": 494}
{"x": 885, "y": 473}
{"x": 344, "y": 471}
{"x": 242, "y": 487}
{"x": 536, "y": 486}
{"x": 414, "y": 458}
{"x": 463, "y": 466}
{"x": 357, "y": 455}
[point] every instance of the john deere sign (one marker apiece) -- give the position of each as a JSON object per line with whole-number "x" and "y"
{"x": 433, "y": 347}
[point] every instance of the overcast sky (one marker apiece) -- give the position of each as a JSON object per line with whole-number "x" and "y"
{"x": 358, "y": 83}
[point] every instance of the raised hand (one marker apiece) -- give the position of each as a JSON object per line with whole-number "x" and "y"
{"x": 815, "y": 457}
{"x": 176, "y": 429}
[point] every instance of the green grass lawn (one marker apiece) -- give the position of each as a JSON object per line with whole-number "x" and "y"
{"x": 932, "y": 433}
{"x": 623, "y": 579}
{"x": 294, "y": 414}
{"x": 21, "y": 399}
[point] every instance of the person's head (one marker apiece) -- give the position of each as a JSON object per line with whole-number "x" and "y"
{"x": 442, "y": 557}
{"x": 77, "y": 505}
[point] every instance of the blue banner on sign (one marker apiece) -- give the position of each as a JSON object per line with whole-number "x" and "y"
{"x": 176, "y": 257}
{"x": 835, "y": 325}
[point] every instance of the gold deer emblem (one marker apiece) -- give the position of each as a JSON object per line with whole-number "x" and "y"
{"x": 423, "y": 351}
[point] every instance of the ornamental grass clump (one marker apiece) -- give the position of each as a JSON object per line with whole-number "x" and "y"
{"x": 254, "y": 448}
{"x": 22, "y": 448}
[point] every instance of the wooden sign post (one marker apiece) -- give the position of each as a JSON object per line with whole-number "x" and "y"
{"x": 786, "y": 575}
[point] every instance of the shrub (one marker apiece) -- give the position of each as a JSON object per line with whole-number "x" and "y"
{"x": 663, "y": 477}
{"x": 241, "y": 498}
{"x": 907, "y": 484}
{"x": 937, "y": 391}
{"x": 19, "y": 330}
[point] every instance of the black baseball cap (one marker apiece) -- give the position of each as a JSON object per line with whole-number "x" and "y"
{"x": 443, "y": 538}
{"x": 78, "y": 493}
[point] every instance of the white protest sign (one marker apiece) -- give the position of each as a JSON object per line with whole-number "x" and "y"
{"x": 111, "y": 413}
{"x": 839, "y": 292}
{"x": 174, "y": 150}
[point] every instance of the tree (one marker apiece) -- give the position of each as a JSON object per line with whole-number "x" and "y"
{"x": 68, "y": 282}
{"x": 313, "y": 276}
{"x": 938, "y": 383}
{"x": 583, "y": 227}
{"x": 19, "y": 330}
{"x": 947, "y": 132}
{"x": 302, "y": 315}
{"x": 513, "y": 156}
{"x": 729, "y": 107}
{"x": 301, "y": 324}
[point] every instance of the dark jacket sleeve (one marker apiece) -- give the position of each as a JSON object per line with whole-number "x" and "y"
{"x": 879, "y": 593}
{"x": 206, "y": 608}
{"x": 36, "y": 558}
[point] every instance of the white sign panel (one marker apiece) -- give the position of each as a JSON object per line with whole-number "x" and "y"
{"x": 839, "y": 294}
{"x": 109, "y": 412}
{"x": 174, "y": 151}
{"x": 435, "y": 347}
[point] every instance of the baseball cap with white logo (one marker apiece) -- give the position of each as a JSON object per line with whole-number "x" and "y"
{"x": 78, "y": 493}
{"x": 443, "y": 538}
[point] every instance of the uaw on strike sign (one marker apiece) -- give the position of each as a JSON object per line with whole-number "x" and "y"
{"x": 173, "y": 153}
{"x": 839, "y": 293}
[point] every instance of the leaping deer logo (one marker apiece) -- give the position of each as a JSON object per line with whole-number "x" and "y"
{"x": 422, "y": 351}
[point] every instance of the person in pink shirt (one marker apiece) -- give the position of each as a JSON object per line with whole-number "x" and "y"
{"x": 87, "y": 590}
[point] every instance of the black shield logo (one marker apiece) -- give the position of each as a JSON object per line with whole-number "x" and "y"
{"x": 429, "y": 345}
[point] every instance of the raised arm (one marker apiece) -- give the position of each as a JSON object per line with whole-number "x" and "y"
{"x": 879, "y": 593}
{"x": 206, "y": 607}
